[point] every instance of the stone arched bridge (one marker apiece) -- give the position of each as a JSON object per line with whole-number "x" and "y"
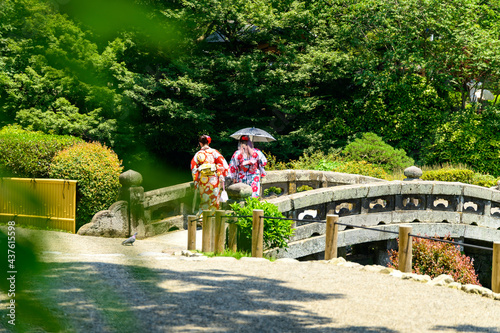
{"x": 433, "y": 208}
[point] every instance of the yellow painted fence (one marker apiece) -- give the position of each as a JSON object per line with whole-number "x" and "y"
{"x": 39, "y": 202}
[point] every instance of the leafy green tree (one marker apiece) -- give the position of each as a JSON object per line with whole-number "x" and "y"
{"x": 147, "y": 80}
{"x": 468, "y": 138}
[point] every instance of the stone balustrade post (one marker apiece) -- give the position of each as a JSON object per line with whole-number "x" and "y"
{"x": 133, "y": 193}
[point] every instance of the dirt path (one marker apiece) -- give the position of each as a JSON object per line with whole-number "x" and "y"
{"x": 95, "y": 284}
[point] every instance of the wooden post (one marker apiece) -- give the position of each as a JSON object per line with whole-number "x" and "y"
{"x": 212, "y": 233}
{"x": 258, "y": 233}
{"x": 495, "y": 274}
{"x": 191, "y": 245}
{"x": 405, "y": 249}
{"x": 206, "y": 231}
{"x": 332, "y": 232}
{"x": 232, "y": 236}
{"x": 220, "y": 231}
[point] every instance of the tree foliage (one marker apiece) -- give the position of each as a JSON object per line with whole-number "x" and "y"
{"x": 148, "y": 79}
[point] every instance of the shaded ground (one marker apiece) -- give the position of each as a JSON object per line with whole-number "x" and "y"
{"x": 93, "y": 284}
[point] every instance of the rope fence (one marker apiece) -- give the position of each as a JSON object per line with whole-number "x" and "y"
{"x": 214, "y": 237}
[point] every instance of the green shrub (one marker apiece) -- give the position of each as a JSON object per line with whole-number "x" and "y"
{"x": 449, "y": 175}
{"x": 484, "y": 180}
{"x": 434, "y": 258}
{"x": 97, "y": 169}
{"x": 372, "y": 149}
{"x": 361, "y": 168}
{"x": 276, "y": 232}
{"x": 315, "y": 161}
{"x": 29, "y": 154}
{"x": 273, "y": 164}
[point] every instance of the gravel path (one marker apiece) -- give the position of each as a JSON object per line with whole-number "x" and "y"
{"x": 97, "y": 285}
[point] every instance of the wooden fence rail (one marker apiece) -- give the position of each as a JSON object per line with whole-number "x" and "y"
{"x": 214, "y": 235}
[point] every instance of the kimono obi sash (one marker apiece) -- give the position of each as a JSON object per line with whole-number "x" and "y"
{"x": 208, "y": 169}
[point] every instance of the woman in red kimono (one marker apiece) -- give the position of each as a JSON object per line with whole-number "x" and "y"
{"x": 209, "y": 168}
{"x": 247, "y": 165}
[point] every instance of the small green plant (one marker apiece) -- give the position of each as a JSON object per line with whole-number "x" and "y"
{"x": 229, "y": 253}
{"x": 304, "y": 188}
{"x": 276, "y": 231}
{"x": 97, "y": 170}
{"x": 238, "y": 254}
{"x": 272, "y": 189}
{"x": 434, "y": 258}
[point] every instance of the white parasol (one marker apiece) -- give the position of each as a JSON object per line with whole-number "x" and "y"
{"x": 254, "y": 134}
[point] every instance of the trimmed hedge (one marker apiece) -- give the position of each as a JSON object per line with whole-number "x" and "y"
{"x": 449, "y": 175}
{"x": 361, "y": 168}
{"x": 97, "y": 170}
{"x": 460, "y": 175}
{"x": 29, "y": 154}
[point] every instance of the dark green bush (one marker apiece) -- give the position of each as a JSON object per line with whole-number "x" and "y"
{"x": 449, "y": 175}
{"x": 29, "y": 154}
{"x": 372, "y": 149}
{"x": 276, "y": 232}
{"x": 97, "y": 169}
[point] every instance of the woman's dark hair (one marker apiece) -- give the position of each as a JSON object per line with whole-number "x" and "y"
{"x": 204, "y": 139}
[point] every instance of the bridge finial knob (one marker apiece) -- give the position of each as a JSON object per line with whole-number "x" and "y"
{"x": 413, "y": 173}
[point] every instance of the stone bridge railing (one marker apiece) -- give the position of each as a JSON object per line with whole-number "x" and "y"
{"x": 433, "y": 207}
{"x": 157, "y": 211}
{"x": 356, "y": 199}
{"x": 288, "y": 181}
{"x": 398, "y": 202}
